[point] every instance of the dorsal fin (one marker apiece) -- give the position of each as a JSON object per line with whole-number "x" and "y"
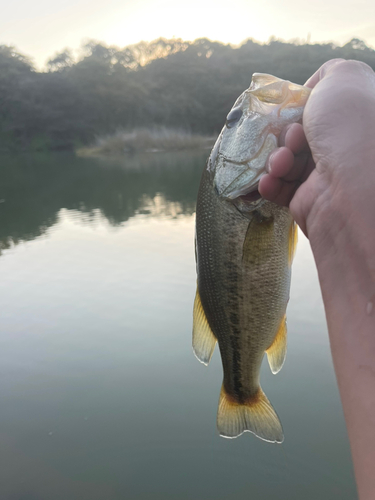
{"x": 276, "y": 353}
{"x": 204, "y": 340}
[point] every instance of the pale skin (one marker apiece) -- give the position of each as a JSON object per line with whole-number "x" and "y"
{"x": 324, "y": 170}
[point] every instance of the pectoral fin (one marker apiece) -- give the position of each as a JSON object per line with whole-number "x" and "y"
{"x": 204, "y": 340}
{"x": 258, "y": 245}
{"x": 293, "y": 238}
{"x": 276, "y": 353}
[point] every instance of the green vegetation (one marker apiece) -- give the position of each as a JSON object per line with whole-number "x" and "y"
{"x": 174, "y": 84}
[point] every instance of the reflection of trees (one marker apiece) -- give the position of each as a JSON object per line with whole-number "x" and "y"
{"x": 35, "y": 188}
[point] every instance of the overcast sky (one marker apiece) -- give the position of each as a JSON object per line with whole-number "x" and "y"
{"x": 40, "y": 28}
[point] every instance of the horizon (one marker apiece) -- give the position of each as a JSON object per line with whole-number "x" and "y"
{"x": 41, "y": 30}
{"x": 77, "y": 52}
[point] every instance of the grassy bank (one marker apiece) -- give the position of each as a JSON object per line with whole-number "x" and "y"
{"x": 146, "y": 140}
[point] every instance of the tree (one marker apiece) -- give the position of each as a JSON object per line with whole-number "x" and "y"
{"x": 173, "y": 83}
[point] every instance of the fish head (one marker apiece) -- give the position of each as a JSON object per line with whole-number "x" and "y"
{"x": 250, "y": 134}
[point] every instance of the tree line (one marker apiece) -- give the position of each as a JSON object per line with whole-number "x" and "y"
{"x": 172, "y": 83}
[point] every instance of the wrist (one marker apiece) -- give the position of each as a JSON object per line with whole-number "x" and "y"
{"x": 341, "y": 230}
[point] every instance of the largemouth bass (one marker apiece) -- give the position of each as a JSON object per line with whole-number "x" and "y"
{"x": 244, "y": 251}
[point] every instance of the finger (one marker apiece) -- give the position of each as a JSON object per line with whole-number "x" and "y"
{"x": 269, "y": 187}
{"x": 280, "y": 162}
{"x": 276, "y": 190}
{"x": 295, "y": 139}
{"x": 321, "y": 72}
{"x": 284, "y": 165}
{"x": 287, "y": 192}
{"x": 298, "y": 169}
{"x": 306, "y": 169}
{"x": 283, "y": 133}
{"x": 301, "y": 168}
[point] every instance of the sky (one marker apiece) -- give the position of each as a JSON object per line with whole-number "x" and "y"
{"x": 42, "y": 28}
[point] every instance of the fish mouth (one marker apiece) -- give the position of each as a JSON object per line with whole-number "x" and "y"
{"x": 235, "y": 191}
{"x": 248, "y": 201}
{"x": 250, "y": 197}
{"x": 247, "y": 194}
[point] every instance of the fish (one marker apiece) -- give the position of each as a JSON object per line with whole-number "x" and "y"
{"x": 244, "y": 247}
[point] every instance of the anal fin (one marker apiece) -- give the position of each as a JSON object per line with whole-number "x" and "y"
{"x": 204, "y": 340}
{"x": 276, "y": 353}
{"x": 256, "y": 415}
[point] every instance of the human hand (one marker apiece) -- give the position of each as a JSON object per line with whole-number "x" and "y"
{"x": 324, "y": 170}
{"x": 331, "y": 158}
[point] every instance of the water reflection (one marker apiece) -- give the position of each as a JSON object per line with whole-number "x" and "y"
{"x": 101, "y": 396}
{"x": 34, "y": 188}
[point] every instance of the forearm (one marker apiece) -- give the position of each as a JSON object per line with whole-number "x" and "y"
{"x": 325, "y": 172}
{"x": 343, "y": 247}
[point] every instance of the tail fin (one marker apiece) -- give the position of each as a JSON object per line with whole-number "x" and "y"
{"x": 256, "y": 416}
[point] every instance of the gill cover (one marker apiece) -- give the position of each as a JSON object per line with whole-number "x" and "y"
{"x": 251, "y": 132}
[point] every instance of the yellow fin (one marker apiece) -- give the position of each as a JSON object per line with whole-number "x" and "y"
{"x": 256, "y": 416}
{"x": 276, "y": 353}
{"x": 293, "y": 238}
{"x": 204, "y": 340}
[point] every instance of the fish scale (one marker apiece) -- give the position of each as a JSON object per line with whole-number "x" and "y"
{"x": 244, "y": 251}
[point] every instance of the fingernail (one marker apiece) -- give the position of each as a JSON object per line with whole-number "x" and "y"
{"x": 269, "y": 162}
{"x": 283, "y": 134}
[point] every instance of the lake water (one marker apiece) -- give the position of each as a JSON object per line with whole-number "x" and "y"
{"x": 101, "y": 397}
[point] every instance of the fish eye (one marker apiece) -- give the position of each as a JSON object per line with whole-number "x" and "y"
{"x": 233, "y": 116}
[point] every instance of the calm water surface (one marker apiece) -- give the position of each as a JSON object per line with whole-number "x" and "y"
{"x": 101, "y": 396}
